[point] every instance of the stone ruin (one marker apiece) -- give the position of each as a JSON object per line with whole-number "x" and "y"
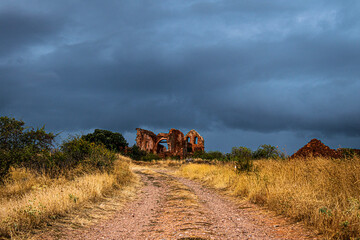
{"x": 178, "y": 144}
{"x": 315, "y": 148}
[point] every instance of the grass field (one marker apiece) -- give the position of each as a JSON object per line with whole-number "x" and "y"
{"x": 28, "y": 200}
{"x": 321, "y": 192}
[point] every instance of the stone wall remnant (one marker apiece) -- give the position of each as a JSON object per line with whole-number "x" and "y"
{"x": 177, "y": 144}
{"x": 315, "y": 148}
{"x": 146, "y": 140}
{"x": 194, "y": 141}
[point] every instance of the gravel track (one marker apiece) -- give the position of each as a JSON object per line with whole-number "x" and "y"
{"x": 170, "y": 207}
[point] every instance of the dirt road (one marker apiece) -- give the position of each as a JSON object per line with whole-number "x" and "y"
{"x": 170, "y": 207}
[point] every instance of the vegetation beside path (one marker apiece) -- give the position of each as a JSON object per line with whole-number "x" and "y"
{"x": 40, "y": 183}
{"x": 323, "y": 193}
{"x": 29, "y": 200}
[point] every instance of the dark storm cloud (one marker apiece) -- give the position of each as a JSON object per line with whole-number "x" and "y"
{"x": 247, "y": 66}
{"x": 20, "y": 29}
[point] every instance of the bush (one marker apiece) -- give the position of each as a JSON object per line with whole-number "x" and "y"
{"x": 20, "y": 145}
{"x": 81, "y": 152}
{"x": 349, "y": 152}
{"x": 32, "y": 148}
{"x": 209, "y": 155}
{"x": 242, "y": 157}
{"x": 241, "y": 152}
{"x": 215, "y": 155}
{"x": 199, "y": 154}
{"x": 112, "y": 141}
{"x": 268, "y": 151}
{"x": 149, "y": 157}
{"x": 5, "y": 164}
{"x": 136, "y": 153}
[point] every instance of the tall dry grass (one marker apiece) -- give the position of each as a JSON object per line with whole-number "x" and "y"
{"x": 29, "y": 200}
{"x": 321, "y": 192}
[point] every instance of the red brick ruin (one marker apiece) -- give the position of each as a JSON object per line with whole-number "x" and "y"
{"x": 178, "y": 144}
{"x": 315, "y": 148}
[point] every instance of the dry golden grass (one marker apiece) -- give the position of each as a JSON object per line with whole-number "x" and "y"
{"x": 29, "y": 200}
{"x": 321, "y": 192}
{"x": 21, "y": 181}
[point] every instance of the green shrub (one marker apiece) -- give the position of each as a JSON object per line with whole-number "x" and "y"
{"x": 136, "y": 153}
{"x": 349, "y": 152}
{"x": 209, "y": 155}
{"x": 215, "y": 155}
{"x": 5, "y": 163}
{"x": 112, "y": 141}
{"x": 22, "y": 146}
{"x": 242, "y": 157}
{"x": 149, "y": 157}
{"x": 175, "y": 157}
{"x": 243, "y": 164}
{"x": 268, "y": 151}
{"x": 32, "y": 148}
{"x": 79, "y": 151}
{"x": 241, "y": 153}
{"x": 199, "y": 154}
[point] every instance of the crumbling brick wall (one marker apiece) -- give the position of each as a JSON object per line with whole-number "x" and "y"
{"x": 194, "y": 141}
{"x": 315, "y": 148}
{"x": 146, "y": 140}
{"x": 175, "y": 139}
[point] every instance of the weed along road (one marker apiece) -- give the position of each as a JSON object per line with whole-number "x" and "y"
{"x": 170, "y": 207}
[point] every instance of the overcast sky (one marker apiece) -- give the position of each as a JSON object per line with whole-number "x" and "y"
{"x": 242, "y": 73}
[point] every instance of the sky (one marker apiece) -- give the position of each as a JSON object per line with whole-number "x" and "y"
{"x": 240, "y": 72}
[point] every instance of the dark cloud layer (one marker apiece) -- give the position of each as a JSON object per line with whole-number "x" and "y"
{"x": 259, "y": 69}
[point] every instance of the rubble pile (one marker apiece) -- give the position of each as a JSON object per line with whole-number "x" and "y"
{"x": 315, "y": 148}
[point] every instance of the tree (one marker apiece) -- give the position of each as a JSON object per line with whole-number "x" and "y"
{"x": 242, "y": 157}
{"x": 209, "y": 155}
{"x": 241, "y": 152}
{"x": 20, "y": 144}
{"x": 136, "y": 153}
{"x": 78, "y": 151}
{"x": 112, "y": 141}
{"x": 14, "y": 136}
{"x": 268, "y": 151}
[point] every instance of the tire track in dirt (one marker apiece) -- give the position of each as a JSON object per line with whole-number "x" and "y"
{"x": 171, "y": 207}
{"x": 132, "y": 222}
{"x": 232, "y": 220}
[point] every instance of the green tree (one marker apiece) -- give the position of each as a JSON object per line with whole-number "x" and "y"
{"x": 111, "y": 140}
{"x": 78, "y": 151}
{"x": 267, "y": 151}
{"x": 136, "y": 153}
{"x": 199, "y": 154}
{"x": 242, "y": 157}
{"x": 215, "y": 155}
{"x": 20, "y": 145}
{"x": 241, "y": 152}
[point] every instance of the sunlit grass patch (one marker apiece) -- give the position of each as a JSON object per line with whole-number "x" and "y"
{"x": 321, "y": 192}
{"x": 29, "y": 199}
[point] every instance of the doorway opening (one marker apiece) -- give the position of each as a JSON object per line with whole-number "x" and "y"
{"x": 162, "y": 146}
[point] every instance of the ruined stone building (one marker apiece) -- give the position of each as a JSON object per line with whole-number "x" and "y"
{"x": 177, "y": 143}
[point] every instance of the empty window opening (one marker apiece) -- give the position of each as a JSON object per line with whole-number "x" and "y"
{"x": 196, "y": 140}
{"x": 188, "y": 139}
{"x": 163, "y": 143}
